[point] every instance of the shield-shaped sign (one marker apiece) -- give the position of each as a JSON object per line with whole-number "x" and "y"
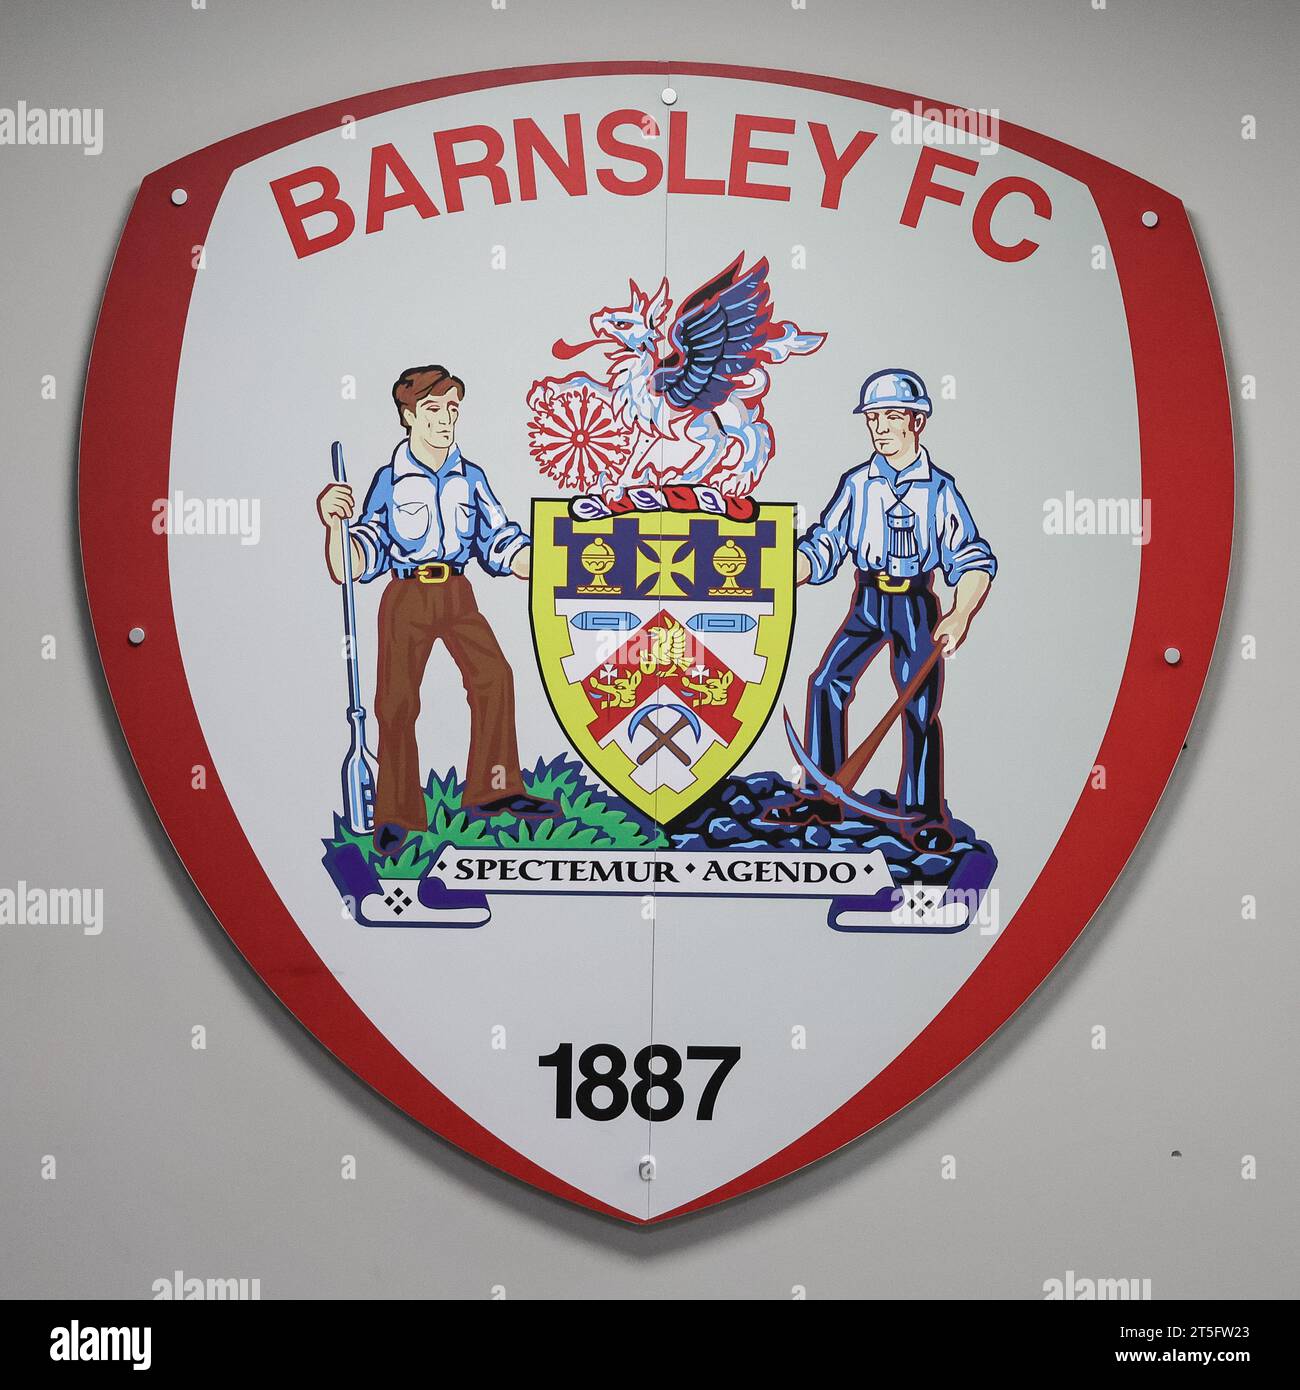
{"x": 451, "y": 459}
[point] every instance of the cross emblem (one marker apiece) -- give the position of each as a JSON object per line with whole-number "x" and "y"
{"x": 661, "y": 562}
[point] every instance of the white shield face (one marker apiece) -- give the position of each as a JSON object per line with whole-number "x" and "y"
{"x": 708, "y": 985}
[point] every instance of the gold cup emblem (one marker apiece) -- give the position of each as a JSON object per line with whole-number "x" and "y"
{"x": 597, "y": 558}
{"x": 729, "y": 561}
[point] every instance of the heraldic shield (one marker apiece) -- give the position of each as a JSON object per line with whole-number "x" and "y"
{"x": 662, "y": 639}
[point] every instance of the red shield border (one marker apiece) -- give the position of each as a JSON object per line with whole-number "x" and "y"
{"x": 1185, "y": 436}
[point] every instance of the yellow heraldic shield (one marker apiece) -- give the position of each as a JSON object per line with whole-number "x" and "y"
{"x": 662, "y": 638}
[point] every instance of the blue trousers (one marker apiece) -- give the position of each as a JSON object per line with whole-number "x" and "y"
{"x": 906, "y": 622}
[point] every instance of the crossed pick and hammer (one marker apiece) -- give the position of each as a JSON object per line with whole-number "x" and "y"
{"x": 663, "y": 738}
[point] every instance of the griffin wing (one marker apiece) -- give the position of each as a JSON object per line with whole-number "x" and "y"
{"x": 677, "y": 645}
{"x": 717, "y": 335}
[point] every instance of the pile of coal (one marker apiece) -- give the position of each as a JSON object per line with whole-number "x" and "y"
{"x": 731, "y": 818}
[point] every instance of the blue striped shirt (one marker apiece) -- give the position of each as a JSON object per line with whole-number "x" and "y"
{"x": 853, "y": 525}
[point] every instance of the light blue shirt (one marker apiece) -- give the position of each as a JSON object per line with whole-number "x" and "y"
{"x": 414, "y": 515}
{"x": 853, "y": 525}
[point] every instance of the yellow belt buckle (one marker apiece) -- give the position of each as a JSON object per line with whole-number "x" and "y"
{"x": 438, "y": 572}
{"x": 886, "y": 585}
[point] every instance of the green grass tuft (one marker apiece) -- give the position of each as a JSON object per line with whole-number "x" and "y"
{"x": 591, "y": 817}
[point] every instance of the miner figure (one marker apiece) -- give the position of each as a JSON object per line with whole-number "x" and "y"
{"x": 898, "y": 519}
{"x": 428, "y": 513}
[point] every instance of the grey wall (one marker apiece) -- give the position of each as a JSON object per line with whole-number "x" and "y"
{"x": 226, "y": 1161}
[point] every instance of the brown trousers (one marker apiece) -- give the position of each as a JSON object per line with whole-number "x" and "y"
{"x": 412, "y": 617}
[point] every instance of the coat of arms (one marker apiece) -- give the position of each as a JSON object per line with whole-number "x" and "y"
{"x": 662, "y": 638}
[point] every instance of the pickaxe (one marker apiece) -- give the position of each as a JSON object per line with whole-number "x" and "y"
{"x": 838, "y": 785}
{"x": 664, "y": 737}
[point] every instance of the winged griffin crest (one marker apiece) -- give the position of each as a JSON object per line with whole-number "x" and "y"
{"x": 691, "y": 416}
